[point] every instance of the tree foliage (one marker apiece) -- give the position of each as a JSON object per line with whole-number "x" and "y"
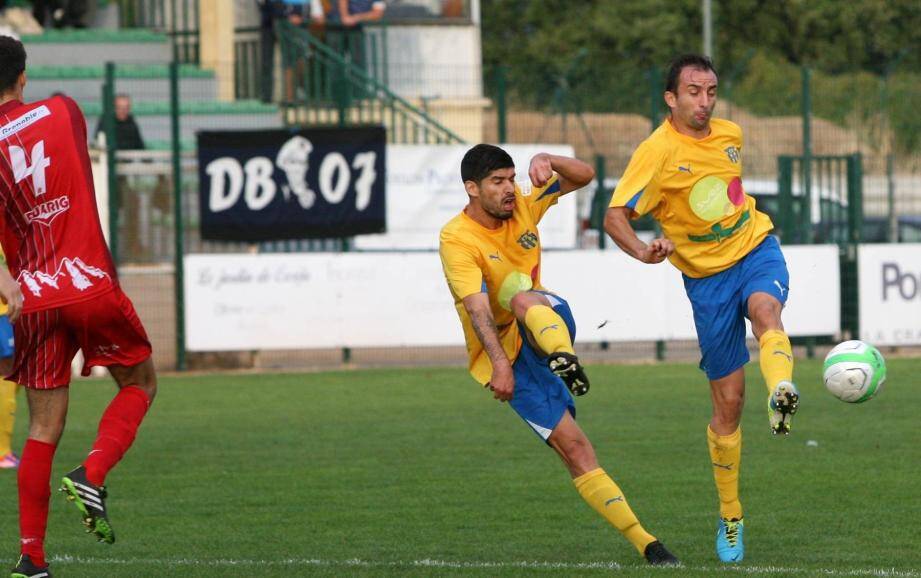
{"x": 609, "y": 55}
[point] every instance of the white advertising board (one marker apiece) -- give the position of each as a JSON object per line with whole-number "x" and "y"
{"x": 890, "y": 293}
{"x": 424, "y": 191}
{"x": 319, "y": 300}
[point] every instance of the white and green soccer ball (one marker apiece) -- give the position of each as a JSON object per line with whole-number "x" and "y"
{"x": 854, "y": 371}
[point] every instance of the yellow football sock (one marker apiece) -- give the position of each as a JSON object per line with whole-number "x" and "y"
{"x": 726, "y": 455}
{"x": 549, "y": 330}
{"x": 602, "y": 494}
{"x": 776, "y": 358}
{"x": 7, "y": 415}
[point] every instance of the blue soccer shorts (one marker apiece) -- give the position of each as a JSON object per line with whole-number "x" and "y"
{"x": 6, "y": 338}
{"x": 540, "y": 397}
{"x": 720, "y": 304}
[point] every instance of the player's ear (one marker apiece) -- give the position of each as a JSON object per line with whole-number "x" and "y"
{"x": 472, "y": 188}
{"x": 671, "y": 99}
{"x": 21, "y": 81}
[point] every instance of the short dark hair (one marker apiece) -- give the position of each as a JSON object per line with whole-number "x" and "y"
{"x": 698, "y": 61}
{"x": 12, "y": 62}
{"x": 482, "y": 160}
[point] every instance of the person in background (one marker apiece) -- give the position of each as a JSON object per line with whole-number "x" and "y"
{"x": 63, "y": 13}
{"x": 310, "y": 14}
{"x": 127, "y": 133}
{"x": 8, "y": 459}
{"x": 356, "y": 12}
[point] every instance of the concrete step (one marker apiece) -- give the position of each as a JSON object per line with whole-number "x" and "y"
{"x": 141, "y": 82}
{"x": 95, "y": 46}
{"x": 154, "y": 120}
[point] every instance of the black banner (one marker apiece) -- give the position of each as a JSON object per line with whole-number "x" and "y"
{"x": 273, "y": 185}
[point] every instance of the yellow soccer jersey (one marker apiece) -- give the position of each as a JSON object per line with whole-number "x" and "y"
{"x": 693, "y": 187}
{"x": 500, "y": 262}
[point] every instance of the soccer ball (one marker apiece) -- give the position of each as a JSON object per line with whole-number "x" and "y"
{"x": 854, "y": 371}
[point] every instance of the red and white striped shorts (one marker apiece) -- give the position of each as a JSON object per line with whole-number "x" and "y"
{"x": 106, "y": 328}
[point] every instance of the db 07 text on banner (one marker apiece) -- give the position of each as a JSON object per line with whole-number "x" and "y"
{"x": 272, "y": 185}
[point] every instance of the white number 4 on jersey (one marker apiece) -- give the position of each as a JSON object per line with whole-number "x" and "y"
{"x": 22, "y": 170}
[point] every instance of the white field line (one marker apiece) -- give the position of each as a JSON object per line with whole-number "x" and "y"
{"x": 451, "y": 564}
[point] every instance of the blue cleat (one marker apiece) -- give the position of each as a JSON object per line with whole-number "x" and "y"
{"x": 729, "y": 544}
{"x": 782, "y": 404}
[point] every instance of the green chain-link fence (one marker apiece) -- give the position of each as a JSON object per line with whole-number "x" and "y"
{"x": 823, "y": 170}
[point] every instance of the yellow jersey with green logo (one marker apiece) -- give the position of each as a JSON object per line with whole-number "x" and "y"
{"x": 693, "y": 187}
{"x": 500, "y": 262}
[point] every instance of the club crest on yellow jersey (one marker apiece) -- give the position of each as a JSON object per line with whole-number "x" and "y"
{"x": 733, "y": 154}
{"x": 528, "y": 240}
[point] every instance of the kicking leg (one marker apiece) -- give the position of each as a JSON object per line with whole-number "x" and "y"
{"x": 549, "y": 335}
{"x": 600, "y": 491}
{"x": 776, "y": 360}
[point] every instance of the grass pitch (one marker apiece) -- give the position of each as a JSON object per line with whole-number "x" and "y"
{"x": 420, "y": 473}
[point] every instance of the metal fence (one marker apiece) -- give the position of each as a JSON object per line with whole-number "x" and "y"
{"x": 821, "y": 179}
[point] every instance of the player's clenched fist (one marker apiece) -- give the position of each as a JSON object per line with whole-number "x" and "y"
{"x": 502, "y": 383}
{"x": 657, "y": 251}
{"x": 540, "y": 170}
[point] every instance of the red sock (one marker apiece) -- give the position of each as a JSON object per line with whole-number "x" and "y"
{"x": 117, "y": 428}
{"x": 34, "y": 490}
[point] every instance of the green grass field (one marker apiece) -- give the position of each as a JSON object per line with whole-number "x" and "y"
{"x": 420, "y": 473}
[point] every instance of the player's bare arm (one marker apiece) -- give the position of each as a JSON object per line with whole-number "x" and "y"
{"x": 11, "y": 294}
{"x": 617, "y": 226}
{"x": 574, "y": 174}
{"x": 502, "y": 382}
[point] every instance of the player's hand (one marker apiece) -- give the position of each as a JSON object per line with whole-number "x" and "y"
{"x": 540, "y": 170}
{"x": 657, "y": 251}
{"x": 12, "y": 296}
{"x": 502, "y": 382}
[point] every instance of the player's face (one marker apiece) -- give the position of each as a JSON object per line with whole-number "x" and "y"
{"x": 693, "y": 105}
{"x": 497, "y": 193}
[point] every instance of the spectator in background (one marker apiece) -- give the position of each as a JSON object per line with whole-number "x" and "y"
{"x": 303, "y": 14}
{"x": 127, "y": 134}
{"x": 127, "y": 138}
{"x": 297, "y": 12}
{"x": 352, "y": 15}
{"x": 63, "y": 13}
{"x": 267, "y": 44}
{"x": 356, "y": 12}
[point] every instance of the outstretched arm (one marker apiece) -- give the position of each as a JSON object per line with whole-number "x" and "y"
{"x": 502, "y": 381}
{"x": 617, "y": 225}
{"x": 574, "y": 174}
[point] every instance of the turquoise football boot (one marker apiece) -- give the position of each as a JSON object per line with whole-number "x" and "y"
{"x": 730, "y": 546}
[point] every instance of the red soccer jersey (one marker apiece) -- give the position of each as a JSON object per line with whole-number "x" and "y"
{"x": 52, "y": 237}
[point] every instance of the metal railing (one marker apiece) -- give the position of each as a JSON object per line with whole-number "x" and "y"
{"x": 323, "y": 86}
{"x": 176, "y": 18}
{"x": 820, "y": 200}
